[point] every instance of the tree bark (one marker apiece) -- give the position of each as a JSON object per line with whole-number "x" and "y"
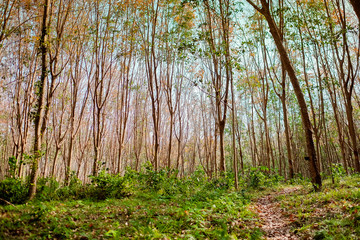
{"x": 356, "y": 6}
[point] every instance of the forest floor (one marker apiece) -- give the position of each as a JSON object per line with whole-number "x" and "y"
{"x": 275, "y": 224}
{"x": 280, "y": 211}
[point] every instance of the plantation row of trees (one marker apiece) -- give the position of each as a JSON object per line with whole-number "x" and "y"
{"x": 105, "y": 85}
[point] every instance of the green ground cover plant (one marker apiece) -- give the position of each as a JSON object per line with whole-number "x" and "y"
{"x": 333, "y": 213}
{"x": 159, "y": 205}
{"x": 146, "y": 205}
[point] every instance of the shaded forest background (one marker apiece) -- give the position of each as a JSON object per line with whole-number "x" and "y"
{"x": 100, "y": 85}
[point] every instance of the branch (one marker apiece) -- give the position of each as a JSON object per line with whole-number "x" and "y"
{"x": 260, "y": 10}
{"x": 7, "y": 202}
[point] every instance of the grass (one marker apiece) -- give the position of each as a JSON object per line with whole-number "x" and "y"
{"x": 203, "y": 211}
{"x": 333, "y": 213}
{"x": 158, "y": 207}
{"x": 143, "y": 216}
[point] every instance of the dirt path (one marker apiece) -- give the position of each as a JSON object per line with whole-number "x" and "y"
{"x": 274, "y": 223}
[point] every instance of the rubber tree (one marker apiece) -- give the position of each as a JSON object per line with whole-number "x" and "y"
{"x": 287, "y": 64}
{"x": 347, "y": 74}
{"x": 40, "y": 100}
{"x": 217, "y": 36}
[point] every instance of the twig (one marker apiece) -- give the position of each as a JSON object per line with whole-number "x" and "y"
{"x": 7, "y": 202}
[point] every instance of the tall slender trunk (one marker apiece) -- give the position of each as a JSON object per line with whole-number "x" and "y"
{"x": 347, "y": 75}
{"x": 154, "y": 85}
{"x": 40, "y": 93}
{"x": 71, "y": 139}
{"x": 57, "y": 149}
{"x": 352, "y": 130}
{"x": 235, "y": 161}
{"x": 287, "y": 136}
{"x": 170, "y": 141}
{"x": 221, "y": 145}
{"x": 238, "y": 135}
{"x": 310, "y": 147}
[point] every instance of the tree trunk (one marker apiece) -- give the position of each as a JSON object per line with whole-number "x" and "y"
{"x": 38, "y": 120}
{"x": 170, "y": 140}
{"x": 352, "y": 131}
{"x": 222, "y": 153}
{"x": 287, "y": 136}
{"x": 314, "y": 171}
{"x": 356, "y": 6}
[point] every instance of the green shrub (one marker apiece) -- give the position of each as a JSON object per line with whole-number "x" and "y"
{"x": 102, "y": 187}
{"x": 198, "y": 178}
{"x": 132, "y": 176}
{"x": 47, "y": 189}
{"x": 256, "y": 177}
{"x": 12, "y": 166}
{"x": 13, "y": 190}
{"x": 337, "y": 171}
{"x": 153, "y": 179}
{"x": 260, "y": 177}
{"x": 224, "y": 182}
{"x": 75, "y": 190}
{"x": 214, "y": 188}
{"x": 276, "y": 178}
{"x": 299, "y": 179}
{"x": 106, "y": 185}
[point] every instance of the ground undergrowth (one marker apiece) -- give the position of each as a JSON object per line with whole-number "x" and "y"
{"x": 333, "y": 213}
{"x": 158, "y": 205}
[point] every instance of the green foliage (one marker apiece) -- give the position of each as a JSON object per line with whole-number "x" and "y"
{"x": 300, "y": 180}
{"x": 261, "y": 177}
{"x": 38, "y": 212}
{"x": 165, "y": 182}
{"x": 106, "y": 186}
{"x": 193, "y": 207}
{"x": 337, "y": 171}
{"x": 224, "y": 182}
{"x": 12, "y": 166}
{"x": 103, "y": 186}
{"x": 47, "y": 189}
{"x": 330, "y": 214}
{"x": 153, "y": 179}
{"x": 13, "y": 190}
{"x": 198, "y": 177}
{"x": 256, "y": 177}
{"x": 75, "y": 190}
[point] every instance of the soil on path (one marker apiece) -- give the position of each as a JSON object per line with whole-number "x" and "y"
{"x": 274, "y": 223}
